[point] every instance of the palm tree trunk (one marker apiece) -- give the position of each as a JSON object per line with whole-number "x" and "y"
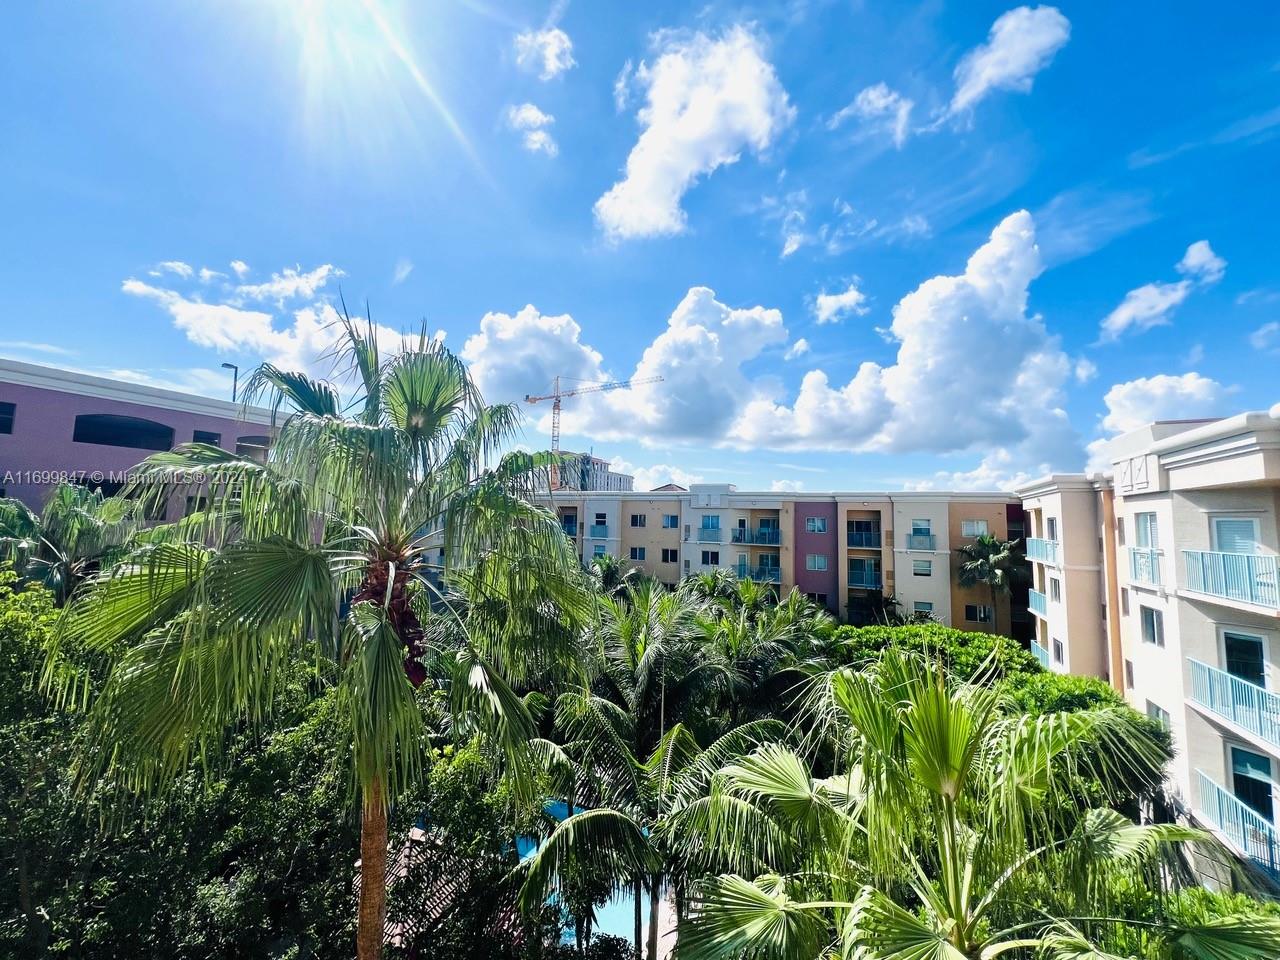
{"x": 373, "y": 875}
{"x": 655, "y": 894}
{"x": 635, "y": 891}
{"x": 994, "y": 616}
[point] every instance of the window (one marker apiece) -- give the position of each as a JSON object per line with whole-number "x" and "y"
{"x": 1128, "y": 674}
{"x": 1235, "y": 535}
{"x": 922, "y": 568}
{"x": 923, "y": 606}
{"x": 815, "y": 524}
{"x": 638, "y": 519}
{"x": 196, "y": 505}
{"x": 115, "y": 431}
{"x": 1120, "y": 530}
{"x": 1055, "y": 589}
{"x": 670, "y": 521}
{"x": 1052, "y": 523}
{"x": 977, "y": 613}
{"x": 864, "y": 572}
{"x": 255, "y": 448}
{"x": 710, "y": 558}
{"x": 1158, "y": 713}
{"x": 1144, "y": 530}
{"x": 815, "y": 561}
{"x": 819, "y": 598}
{"x": 711, "y": 521}
{"x": 1245, "y": 658}
{"x": 1152, "y": 626}
{"x": 637, "y": 553}
{"x": 6, "y": 417}
{"x": 973, "y": 528}
{"x": 920, "y": 528}
{"x": 207, "y": 436}
{"x": 1251, "y": 781}
{"x": 670, "y": 555}
{"x": 600, "y": 521}
{"x": 1124, "y": 601}
{"x": 1058, "y": 653}
{"x": 598, "y": 550}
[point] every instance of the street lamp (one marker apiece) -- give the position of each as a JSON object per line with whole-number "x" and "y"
{"x": 235, "y": 378}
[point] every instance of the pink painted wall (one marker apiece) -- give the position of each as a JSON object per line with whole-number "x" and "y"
{"x": 817, "y": 581}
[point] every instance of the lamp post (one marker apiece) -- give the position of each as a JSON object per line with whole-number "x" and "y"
{"x": 235, "y": 378}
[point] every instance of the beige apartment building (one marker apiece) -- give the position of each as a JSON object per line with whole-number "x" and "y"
{"x": 1162, "y": 577}
{"x": 847, "y": 551}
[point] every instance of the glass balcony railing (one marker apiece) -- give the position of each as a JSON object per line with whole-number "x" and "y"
{"x": 1037, "y": 602}
{"x": 763, "y": 574}
{"x": 768, "y": 536}
{"x": 1040, "y": 653}
{"x": 1243, "y": 703}
{"x": 1046, "y": 551}
{"x": 865, "y": 538}
{"x": 864, "y": 579}
{"x": 707, "y": 534}
{"x": 1248, "y": 577}
{"x": 1144, "y": 566}
{"x": 599, "y": 530}
{"x": 1247, "y": 830}
{"x": 921, "y": 541}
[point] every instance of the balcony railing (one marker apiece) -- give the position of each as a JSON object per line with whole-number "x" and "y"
{"x": 707, "y": 534}
{"x": 921, "y": 541}
{"x": 1046, "y": 551}
{"x": 764, "y": 574}
{"x": 1243, "y": 703}
{"x": 599, "y": 530}
{"x": 865, "y": 538}
{"x": 865, "y": 579}
{"x": 1144, "y": 566}
{"x": 1040, "y": 653}
{"x": 1248, "y": 577}
{"x": 1249, "y": 832}
{"x": 1038, "y": 603}
{"x": 570, "y": 529}
{"x": 768, "y": 536}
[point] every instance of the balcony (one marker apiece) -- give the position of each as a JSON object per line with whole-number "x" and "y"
{"x": 1038, "y": 603}
{"x": 864, "y": 579}
{"x": 1045, "y": 551}
{"x": 599, "y": 531}
{"x": 1251, "y": 834}
{"x": 570, "y": 529}
{"x": 1040, "y": 653}
{"x": 1247, "y": 577}
{"x": 921, "y": 541}
{"x": 869, "y": 539}
{"x": 1235, "y": 699}
{"x": 707, "y": 534}
{"x": 763, "y": 574}
{"x": 1144, "y": 566}
{"x": 765, "y": 536}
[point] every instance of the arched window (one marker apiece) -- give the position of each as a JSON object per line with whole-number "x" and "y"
{"x": 112, "y": 430}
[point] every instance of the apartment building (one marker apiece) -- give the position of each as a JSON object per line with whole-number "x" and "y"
{"x": 847, "y": 551}
{"x": 1178, "y": 603}
{"x": 585, "y": 471}
{"x": 57, "y": 424}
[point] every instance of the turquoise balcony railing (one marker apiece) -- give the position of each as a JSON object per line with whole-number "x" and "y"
{"x": 1248, "y": 831}
{"x": 1144, "y": 566}
{"x": 865, "y": 579}
{"x": 1249, "y": 577}
{"x": 1040, "y": 653}
{"x": 1243, "y": 703}
{"x": 1046, "y": 551}
{"x": 768, "y": 536}
{"x": 763, "y": 574}
{"x": 864, "y": 538}
{"x": 599, "y": 530}
{"x": 921, "y": 541}
{"x": 708, "y": 534}
{"x": 1037, "y": 602}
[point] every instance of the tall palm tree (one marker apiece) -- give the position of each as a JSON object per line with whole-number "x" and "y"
{"x": 994, "y": 562}
{"x": 348, "y": 544}
{"x": 952, "y": 831}
{"x": 77, "y": 530}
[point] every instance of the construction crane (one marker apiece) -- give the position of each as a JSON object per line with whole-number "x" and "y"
{"x": 556, "y": 395}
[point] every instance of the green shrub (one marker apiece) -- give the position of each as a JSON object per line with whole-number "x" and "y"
{"x": 963, "y": 652}
{"x": 1046, "y": 692}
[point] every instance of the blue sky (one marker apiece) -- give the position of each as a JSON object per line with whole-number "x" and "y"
{"x": 867, "y": 245}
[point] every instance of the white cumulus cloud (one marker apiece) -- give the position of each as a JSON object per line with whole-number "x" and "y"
{"x": 1153, "y": 304}
{"x": 1164, "y": 396}
{"x": 880, "y": 107}
{"x": 834, "y": 307}
{"x": 797, "y": 349}
{"x": 549, "y": 51}
{"x": 176, "y": 267}
{"x": 522, "y": 353}
{"x": 240, "y": 267}
{"x": 289, "y": 284}
{"x": 706, "y": 101}
{"x": 1201, "y": 264}
{"x": 656, "y": 475}
{"x": 786, "y": 486}
{"x": 1022, "y": 42}
{"x": 533, "y": 125}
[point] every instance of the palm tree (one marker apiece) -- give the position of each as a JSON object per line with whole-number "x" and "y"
{"x": 951, "y": 831}
{"x": 997, "y": 563}
{"x": 611, "y": 575}
{"x": 77, "y": 530}
{"x": 357, "y": 538}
